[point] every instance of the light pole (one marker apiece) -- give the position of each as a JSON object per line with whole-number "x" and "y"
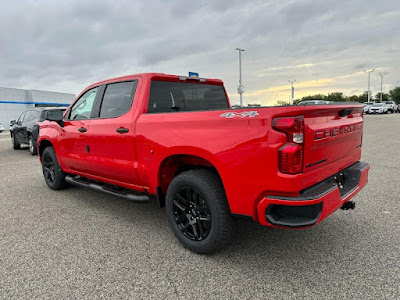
{"x": 292, "y": 90}
{"x": 381, "y": 84}
{"x": 369, "y": 80}
{"x": 240, "y": 87}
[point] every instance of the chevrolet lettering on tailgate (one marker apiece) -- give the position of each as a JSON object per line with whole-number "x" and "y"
{"x": 336, "y": 131}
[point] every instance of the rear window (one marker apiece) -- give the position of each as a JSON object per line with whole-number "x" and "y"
{"x": 43, "y": 114}
{"x": 117, "y": 99}
{"x": 180, "y": 96}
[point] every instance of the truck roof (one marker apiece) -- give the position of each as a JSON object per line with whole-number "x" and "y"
{"x": 157, "y": 76}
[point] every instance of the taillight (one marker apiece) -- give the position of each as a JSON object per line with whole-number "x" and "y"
{"x": 290, "y": 158}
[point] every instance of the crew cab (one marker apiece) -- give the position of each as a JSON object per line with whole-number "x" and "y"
{"x": 176, "y": 139}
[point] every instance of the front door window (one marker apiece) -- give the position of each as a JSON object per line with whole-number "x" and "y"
{"x": 83, "y": 107}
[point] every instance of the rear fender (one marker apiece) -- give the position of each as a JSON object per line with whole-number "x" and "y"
{"x": 178, "y": 160}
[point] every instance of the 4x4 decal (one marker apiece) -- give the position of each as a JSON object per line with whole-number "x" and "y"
{"x": 243, "y": 114}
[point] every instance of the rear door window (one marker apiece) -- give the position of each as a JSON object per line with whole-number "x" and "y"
{"x": 34, "y": 115}
{"x": 179, "y": 96}
{"x": 117, "y": 99}
{"x": 27, "y": 116}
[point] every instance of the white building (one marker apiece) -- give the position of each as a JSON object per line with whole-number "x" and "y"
{"x": 14, "y": 101}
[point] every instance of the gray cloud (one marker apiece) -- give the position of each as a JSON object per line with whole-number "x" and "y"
{"x": 66, "y": 45}
{"x": 360, "y": 66}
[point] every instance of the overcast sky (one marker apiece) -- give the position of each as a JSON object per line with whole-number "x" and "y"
{"x": 325, "y": 45}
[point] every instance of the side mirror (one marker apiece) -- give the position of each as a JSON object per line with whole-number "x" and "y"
{"x": 13, "y": 122}
{"x": 56, "y": 116}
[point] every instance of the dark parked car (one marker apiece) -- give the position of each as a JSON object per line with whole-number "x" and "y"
{"x": 25, "y": 130}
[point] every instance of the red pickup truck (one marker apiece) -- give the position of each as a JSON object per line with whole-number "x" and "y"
{"x": 176, "y": 139}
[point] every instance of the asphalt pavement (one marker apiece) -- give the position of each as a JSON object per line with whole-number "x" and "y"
{"x": 82, "y": 244}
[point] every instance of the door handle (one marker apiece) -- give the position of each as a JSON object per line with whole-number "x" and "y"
{"x": 122, "y": 130}
{"x": 82, "y": 129}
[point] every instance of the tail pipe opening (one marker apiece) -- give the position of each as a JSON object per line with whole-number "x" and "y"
{"x": 349, "y": 205}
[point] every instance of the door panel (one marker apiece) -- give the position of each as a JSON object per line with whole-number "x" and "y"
{"x": 113, "y": 153}
{"x": 19, "y": 127}
{"x": 23, "y": 130}
{"x": 112, "y": 135}
{"x": 72, "y": 146}
{"x": 73, "y": 140}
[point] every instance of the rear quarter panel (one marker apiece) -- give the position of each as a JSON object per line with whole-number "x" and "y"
{"x": 244, "y": 150}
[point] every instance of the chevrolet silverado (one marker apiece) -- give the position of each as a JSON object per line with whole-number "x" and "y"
{"x": 176, "y": 139}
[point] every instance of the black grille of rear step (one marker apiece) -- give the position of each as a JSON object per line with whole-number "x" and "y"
{"x": 293, "y": 216}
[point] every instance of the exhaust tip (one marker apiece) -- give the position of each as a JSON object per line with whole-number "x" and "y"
{"x": 349, "y": 205}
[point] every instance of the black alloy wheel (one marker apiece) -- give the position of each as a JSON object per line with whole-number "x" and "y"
{"x": 53, "y": 175}
{"x": 191, "y": 214}
{"x": 198, "y": 211}
{"x": 49, "y": 169}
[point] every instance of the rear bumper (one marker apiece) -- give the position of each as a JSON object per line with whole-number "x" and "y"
{"x": 314, "y": 203}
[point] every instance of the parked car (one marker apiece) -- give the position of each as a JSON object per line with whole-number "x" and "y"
{"x": 25, "y": 130}
{"x": 314, "y": 102}
{"x": 367, "y": 106}
{"x": 378, "y": 108}
{"x": 176, "y": 139}
{"x": 391, "y": 106}
{"x": 1, "y": 128}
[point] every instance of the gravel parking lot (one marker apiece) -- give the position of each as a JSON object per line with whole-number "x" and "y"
{"x": 82, "y": 244}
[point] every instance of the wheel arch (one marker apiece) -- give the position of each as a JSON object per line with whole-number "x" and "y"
{"x": 43, "y": 145}
{"x": 175, "y": 164}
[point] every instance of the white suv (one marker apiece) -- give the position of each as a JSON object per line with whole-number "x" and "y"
{"x": 378, "y": 108}
{"x": 392, "y": 106}
{"x": 367, "y": 106}
{"x": 1, "y": 128}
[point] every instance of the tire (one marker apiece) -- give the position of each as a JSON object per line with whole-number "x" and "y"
{"x": 32, "y": 146}
{"x": 15, "y": 143}
{"x": 198, "y": 211}
{"x": 53, "y": 175}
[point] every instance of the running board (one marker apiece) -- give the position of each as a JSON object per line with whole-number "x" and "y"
{"x": 109, "y": 189}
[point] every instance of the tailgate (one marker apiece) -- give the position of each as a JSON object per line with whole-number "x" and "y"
{"x": 332, "y": 132}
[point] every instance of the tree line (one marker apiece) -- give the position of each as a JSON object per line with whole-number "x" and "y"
{"x": 393, "y": 94}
